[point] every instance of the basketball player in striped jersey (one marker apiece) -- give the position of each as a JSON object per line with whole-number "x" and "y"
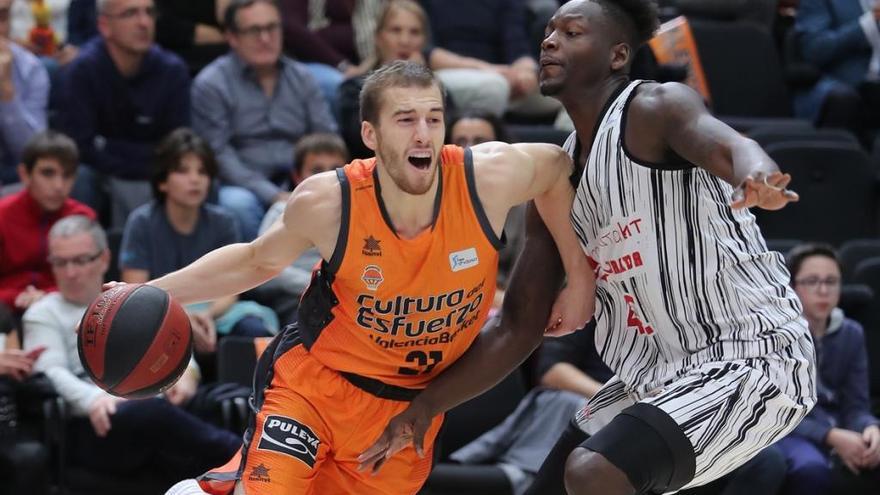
{"x": 409, "y": 241}
{"x": 713, "y": 361}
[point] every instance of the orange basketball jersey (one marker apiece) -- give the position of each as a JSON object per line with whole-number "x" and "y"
{"x": 402, "y": 310}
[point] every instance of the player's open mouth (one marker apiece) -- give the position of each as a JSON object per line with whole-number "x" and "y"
{"x": 420, "y": 161}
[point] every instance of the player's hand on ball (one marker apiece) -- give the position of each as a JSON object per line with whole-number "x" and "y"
{"x": 767, "y": 191}
{"x": 408, "y": 426}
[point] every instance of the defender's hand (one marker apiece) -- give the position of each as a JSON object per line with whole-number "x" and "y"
{"x": 571, "y": 311}
{"x": 408, "y": 426}
{"x": 764, "y": 191}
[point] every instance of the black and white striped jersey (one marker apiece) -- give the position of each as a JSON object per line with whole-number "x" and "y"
{"x": 682, "y": 278}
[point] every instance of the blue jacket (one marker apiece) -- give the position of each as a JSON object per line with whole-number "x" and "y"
{"x": 842, "y": 389}
{"x": 831, "y": 37}
{"x": 117, "y": 121}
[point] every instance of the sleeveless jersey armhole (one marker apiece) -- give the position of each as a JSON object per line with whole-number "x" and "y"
{"x": 497, "y": 243}
{"x": 344, "y": 223}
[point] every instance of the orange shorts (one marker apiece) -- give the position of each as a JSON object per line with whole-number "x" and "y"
{"x": 310, "y": 427}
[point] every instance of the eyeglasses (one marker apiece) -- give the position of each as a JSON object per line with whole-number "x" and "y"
{"x": 133, "y": 13}
{"x": 832, "y": 284}
{"x": 256, "y": 31}
{"x": 77, "y": 261}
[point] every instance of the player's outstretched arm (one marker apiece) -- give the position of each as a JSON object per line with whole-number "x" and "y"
{"x": 691, "y": 131}
{"x": 310, "y": 219}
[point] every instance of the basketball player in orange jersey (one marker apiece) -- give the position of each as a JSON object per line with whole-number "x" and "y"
{"x": 409, "y": 241}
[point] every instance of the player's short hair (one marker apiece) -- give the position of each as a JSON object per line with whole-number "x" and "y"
{"x": 321, "y": 142}
{"x": 638, "y": 18}
{"x": 231, "y": 12}
{"x": 399, "y": 74}
{"x": 51, "y": 144}
{"x": 169, "y": 152}
{"x": 79, "y": 224}
{"x": 797, "y": 255}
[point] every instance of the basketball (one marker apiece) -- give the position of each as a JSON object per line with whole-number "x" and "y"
{"x": 135, "y": 341}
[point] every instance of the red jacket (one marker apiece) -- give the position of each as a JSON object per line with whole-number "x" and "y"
{"x": 24, "y": 230}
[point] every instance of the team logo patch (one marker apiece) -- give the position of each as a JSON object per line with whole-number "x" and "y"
{"x": 290, "y": 437}
{"x": 371, "y": 247}
{"x": 372, "y": 277}
{"x": 464, "y": 259}
{"x": 260, "y": 473}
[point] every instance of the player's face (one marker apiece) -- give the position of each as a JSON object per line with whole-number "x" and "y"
{"x": 817, "y": 284}
{"x": 187, "y": 185}
{"x": 130, "y": 25}
{"x": 48, "y": 183}
{"x": 576, "y": 48}
{"x": 471, "y": 131}
{"x": 409, "y": 136}
{"x": 78, "y": 266}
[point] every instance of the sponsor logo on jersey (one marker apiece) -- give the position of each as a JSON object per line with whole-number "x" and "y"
{"x": 372, "y": 277}
{"x": 289, "y": 437}
{"x": 371, "y": 247}
{"x": 464, "y": 259}
{"x": 260, "y": 473}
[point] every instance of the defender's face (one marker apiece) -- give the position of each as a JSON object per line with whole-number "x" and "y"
{"x": 409, "y": 136}
{"x": 576, "y": 50}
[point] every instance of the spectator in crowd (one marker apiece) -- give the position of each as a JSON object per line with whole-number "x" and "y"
{"x": 840, "y": 438}
{"x": 178, "y": 227}
{"x": 251, "y": 106}
{"x": 108, "y": 434}
{"x": 24, "y": 95}
{"x": 401, "y": 33}
{"x": 123, "y": 94}
{"x": 842, "y": 39}
{"x": 192, "y": 30}
{"x": 23, "y": 462}
{"x": 47, "y": 171}
{"x": 330, "y": 37}
{"x": 489, "y": 36}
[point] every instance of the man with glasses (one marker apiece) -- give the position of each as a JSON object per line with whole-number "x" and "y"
{"x": 47, "y": 172}
{"x": 123, "y": 95}
{"x": 251, "y": 106}
{"x": 24, "y": 93}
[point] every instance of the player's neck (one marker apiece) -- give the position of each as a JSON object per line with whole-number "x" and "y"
{"x": 182, "y": 218}
{"x": 585, "y": 105}
{"x": 410, "y": 214}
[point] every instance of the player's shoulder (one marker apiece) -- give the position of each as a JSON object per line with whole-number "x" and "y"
{"x": 317, "y": 198}
{"x": 653, "y": 98}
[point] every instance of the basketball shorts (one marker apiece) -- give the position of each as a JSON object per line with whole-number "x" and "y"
{"x": 309, "y": 425}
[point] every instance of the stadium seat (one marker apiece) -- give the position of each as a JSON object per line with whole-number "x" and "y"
{"x": 868, "y": 273}
{"x": 855, "y": 251}
{"x": 838, "y": 193}
{"x": 782, "y": 246}
{"x": 769, "y": 135}
{"x": 537, "y": 134}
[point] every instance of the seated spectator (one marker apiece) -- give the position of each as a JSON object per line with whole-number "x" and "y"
{"x": 24, "y": 95}
{"x": 123, "y": 94}
{"x": 108, "y": 434}
{"x": 842, "y": 39}
{"x": 315, "y": 153}
{"x": 251, "y": 106}
{"x": 325, "y": 37}
{"x": 483, "y": 57}
{"x": 178, "y": 227}
{"x": 23, "y": 462}
{"x": 47, "y": 172}
{"x": 401, "y": 34}
{"x": 839, "y": 438}
{"x": 192, "y": 30}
